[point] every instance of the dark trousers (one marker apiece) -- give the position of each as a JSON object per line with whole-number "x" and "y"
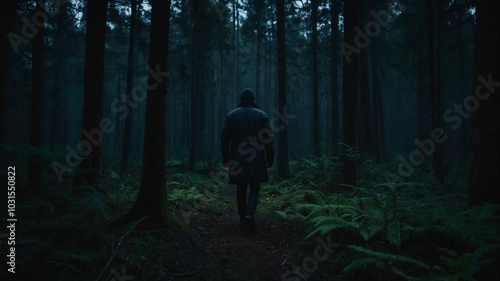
{"x": 246, "y": 207}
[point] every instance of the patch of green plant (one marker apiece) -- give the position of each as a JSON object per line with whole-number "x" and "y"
{"x": 60, "y": 231}
{"x": 391, "y": 229}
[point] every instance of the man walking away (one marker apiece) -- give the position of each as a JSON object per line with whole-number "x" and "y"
{"x": 247, "y": 148}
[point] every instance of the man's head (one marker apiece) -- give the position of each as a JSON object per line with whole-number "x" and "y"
{"x": 247, "y": 95}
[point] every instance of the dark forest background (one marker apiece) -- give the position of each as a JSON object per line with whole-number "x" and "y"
{"x": 386, "y": 122}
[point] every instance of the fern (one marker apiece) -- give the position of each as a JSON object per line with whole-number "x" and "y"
{"x": 390, "y": 220}
{"x": 388, "y": 258}
{"x": 363, "y": 263}
{"x": 184, "y": 195}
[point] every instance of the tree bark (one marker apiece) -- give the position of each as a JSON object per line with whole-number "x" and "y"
{"x": 8, "y": 14}
{"x": 485, "y": 165}
{"x": 130, "y": 76}
{"x": 283, "y": 167}
{"x": 378, "y": 111}
{"x": 334, "y": 18}
{"x": 195, "y": 86}
{"x": 350, "y": 92}
{"x": 258, "y": 10}
{"x": 92, "y": 134}
{"x": 366, "y": 130}
{"x": 315, "y": 82}
{"x": 465, "y": 130}
{"x": 34, "y": 167}
{"x": 152, "y": 201}
{"x": 434, "y": 93}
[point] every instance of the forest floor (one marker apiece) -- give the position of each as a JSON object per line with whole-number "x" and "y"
{"x": 230, "y": 251}
{"x": 376, "y": 234}
{"x": 308, "y": 228}
{"x": 215, "y": 246}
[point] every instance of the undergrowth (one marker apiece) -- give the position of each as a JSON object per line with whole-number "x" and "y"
{"x": 418, "y": 229}
{"x": 413, "y": 230}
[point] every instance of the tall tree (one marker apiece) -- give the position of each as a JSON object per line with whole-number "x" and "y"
{"x": 485, "y": 165}
{"x": 152, "y": 198}
{"x": 364, "y": 114}
{"x": 258, "y": 13}
{"x": 92, "y": 134}
{"x": 376, "y": 103}
{"x": 283, "y": 167}
{"x": 462, "y": 94}
{"x": 435, "y": 94}
{"x": 59, "y": 40}
{"x": 421, "y": 97}
{"x": 315, "y": 82}
{"x": 36, "y": 100}
{"x": 350, "y": 90}
{"x": 236, "y": 53}
{"x": 334, "y": 21}
{"x": 196, "y": 98}
{"x": 8, "y": 14}
{"x": 130, "y": 71}
{"x": 378, "y": 110}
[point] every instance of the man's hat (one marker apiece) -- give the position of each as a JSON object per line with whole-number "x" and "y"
{"x": 247, "y": 95}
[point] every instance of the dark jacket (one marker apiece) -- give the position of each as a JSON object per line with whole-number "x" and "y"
{"x": 247, "y": 144}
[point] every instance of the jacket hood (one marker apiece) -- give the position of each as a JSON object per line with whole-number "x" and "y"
{"x": 248, "y": 104}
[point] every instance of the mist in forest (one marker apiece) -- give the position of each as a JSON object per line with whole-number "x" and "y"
{"x": 376, "y": 148}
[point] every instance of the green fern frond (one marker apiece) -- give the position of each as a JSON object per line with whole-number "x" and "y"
{"x": 483, "y": 250}
{"x": 399, "y": 272}
{"x": 362, "y": 262}
{"x": 26, "y": 207}
{"x": 324, "y": 229}
{"x": 80, "y": 256}
{"x": 375, "y": 229}
{"x": 61, "y": 265}
{"x": 388, "y": 257}
{"x": 282, "y": 214}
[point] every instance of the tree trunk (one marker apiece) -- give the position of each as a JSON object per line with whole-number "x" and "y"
{"x": 334, "y": 16}
{"x": 314, "y": 48}
{"x": 485, "y": 165}
{"x": 350, "y": 92}
{"x": 434, "y": 93}
{"x": 421, "y": 127}
{"x": 378, "y": 112}
{"x": 195, "y": 86}
{"x": 152, "y": 198}
{"x": 283, "y": 168}
{"x": 36, "y": 102}
{"x": 8, "y": 14}
{"x": 92, "y": 132}
{"x": 258, "y": 7}
{"x": 235, "y": 52}
{"x": 57, "y": 123}
{"x": 365, "y": 132}
{"x": 267, "y": 81}
{"x": 130, "y": 76}
{"x": 57, "y": 120}
{"x": 465, "y": 130}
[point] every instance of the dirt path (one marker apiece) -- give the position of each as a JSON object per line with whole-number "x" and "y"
{"x": 218, "y": 248}
{"x": 227, "y": 251}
